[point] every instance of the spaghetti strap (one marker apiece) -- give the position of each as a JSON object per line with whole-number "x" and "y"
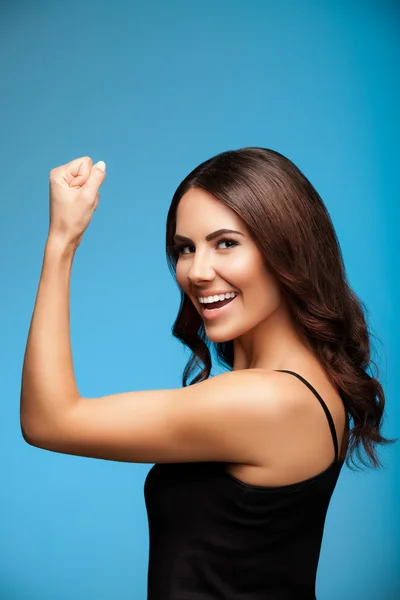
{"x": 324, "y": 406}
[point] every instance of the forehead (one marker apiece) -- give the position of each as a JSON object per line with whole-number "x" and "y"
{"x": 200, "y": 212}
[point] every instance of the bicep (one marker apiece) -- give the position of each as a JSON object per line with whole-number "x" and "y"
{"x": 215, "y": 420}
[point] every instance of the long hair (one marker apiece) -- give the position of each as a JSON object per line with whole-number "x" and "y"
{"x": 292, "y": 228}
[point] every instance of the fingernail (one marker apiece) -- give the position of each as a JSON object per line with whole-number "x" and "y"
{"x": 101, "y": 165}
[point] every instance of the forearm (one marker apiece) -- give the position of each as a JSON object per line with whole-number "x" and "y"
{"x": 48, "y": 386}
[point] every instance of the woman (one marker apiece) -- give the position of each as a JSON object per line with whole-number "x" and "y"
{"x": 246, "y": 461}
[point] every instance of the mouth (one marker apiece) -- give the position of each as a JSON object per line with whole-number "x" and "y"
{"x": 212, "y": 313}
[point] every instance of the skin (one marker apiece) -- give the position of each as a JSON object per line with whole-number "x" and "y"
{"x": 259, "y": 322}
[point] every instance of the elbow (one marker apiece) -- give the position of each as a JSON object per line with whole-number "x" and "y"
{"x": 41, "y": 434}
{"x": 28, "y": 428}
{"x": 29, "y": 438}
{"x": 30, "y": 424}
{"x": 25, "y": 422}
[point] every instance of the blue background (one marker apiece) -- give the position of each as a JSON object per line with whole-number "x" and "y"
{"x": 154, "y": 88}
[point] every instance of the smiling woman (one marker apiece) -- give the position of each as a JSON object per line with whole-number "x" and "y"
{"x": 246, "y": 461}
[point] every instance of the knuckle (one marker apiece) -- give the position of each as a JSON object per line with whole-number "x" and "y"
{"x": 54, "y": 172}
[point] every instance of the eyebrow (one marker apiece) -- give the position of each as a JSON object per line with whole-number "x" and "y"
{"x": 209, "y": 237}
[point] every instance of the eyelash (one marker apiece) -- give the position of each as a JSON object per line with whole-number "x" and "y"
{"x": 180, "y": 247}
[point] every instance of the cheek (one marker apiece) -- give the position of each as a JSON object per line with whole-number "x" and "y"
{"x": 261, "y": 286}
{"x": 268, "y": 293}
{"x": 238, "y": 270}
{"x": 244, "y": 271}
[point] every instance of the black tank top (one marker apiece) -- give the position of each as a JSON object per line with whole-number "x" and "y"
{"x": 214, "y": 537}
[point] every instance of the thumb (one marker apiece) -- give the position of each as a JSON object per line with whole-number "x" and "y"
{"x": 96, "y": 177}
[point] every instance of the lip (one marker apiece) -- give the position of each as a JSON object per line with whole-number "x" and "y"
{"x": 214, "y": 313}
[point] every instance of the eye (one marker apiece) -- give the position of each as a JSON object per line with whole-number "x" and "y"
{"x": 180, "y": 247}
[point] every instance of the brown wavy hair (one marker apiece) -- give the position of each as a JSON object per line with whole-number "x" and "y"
{"x": 292, "y": 228}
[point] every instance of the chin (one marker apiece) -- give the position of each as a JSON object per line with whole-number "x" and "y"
{"x": 218, "y": 338}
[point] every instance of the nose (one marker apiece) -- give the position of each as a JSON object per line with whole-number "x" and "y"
{"x": 201, "y": 268}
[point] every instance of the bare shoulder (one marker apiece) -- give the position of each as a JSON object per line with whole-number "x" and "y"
{"x": 300, "y": 443}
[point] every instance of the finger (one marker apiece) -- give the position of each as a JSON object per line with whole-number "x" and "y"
{"x": 80, "y": 166}
{"x": 78, "y": 171}
{"x": 74, "y": 173}
{"x": 96, "y": 178}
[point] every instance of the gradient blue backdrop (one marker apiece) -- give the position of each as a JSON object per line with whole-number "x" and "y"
{"x": 154, "y": 88}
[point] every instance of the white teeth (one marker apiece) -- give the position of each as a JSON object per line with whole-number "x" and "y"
{"x": 217, "y": 297}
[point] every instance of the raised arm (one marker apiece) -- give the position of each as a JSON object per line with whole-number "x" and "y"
{"x": 48, "y": 387}
{"x": 213, "y": 420}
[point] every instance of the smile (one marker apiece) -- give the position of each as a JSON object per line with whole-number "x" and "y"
{"x": 213, "y": 313}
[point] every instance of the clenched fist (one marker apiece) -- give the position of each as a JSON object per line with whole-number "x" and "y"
{"x": 74, "y": 196}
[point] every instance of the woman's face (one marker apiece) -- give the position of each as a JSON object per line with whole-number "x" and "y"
{"x": 230, "y": 262}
